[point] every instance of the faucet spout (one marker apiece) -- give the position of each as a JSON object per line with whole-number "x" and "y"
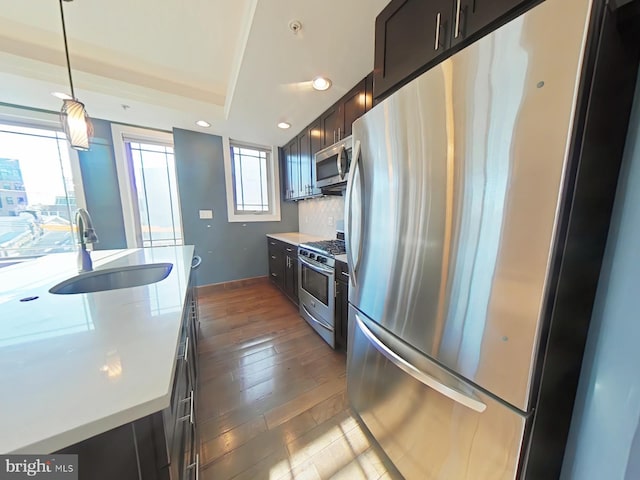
{"x": 86, "y": 234}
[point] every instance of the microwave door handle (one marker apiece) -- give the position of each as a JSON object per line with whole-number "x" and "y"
{"x": 349, "y": 214}
{"x": 340, "y": 162}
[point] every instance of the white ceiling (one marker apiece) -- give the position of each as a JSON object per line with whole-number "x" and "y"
{"x": 234, "y": 63}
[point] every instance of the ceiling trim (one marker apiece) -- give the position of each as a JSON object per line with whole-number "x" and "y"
{"x": 245, "y": 30}
{"x": 93, "y": 66}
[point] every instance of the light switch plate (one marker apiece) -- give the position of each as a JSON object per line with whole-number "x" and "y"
{"x": 206, "y": 214}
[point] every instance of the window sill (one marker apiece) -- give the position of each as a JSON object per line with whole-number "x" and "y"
{"x": 235, "y": 218}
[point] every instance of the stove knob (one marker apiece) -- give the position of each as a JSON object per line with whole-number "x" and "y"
{"x": 322, "y": 259}
{"x": 306, "y": 254}
{"x": 312, "y": 256}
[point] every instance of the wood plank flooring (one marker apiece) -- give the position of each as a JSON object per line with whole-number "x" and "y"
{"x": 272, "y": 396}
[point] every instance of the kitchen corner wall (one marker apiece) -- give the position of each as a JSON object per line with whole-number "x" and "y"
{"x": 318, "y": 216}
{"x": 229, "y": 251}
{"x": 604, "y": 441}
{"x": 101, "y": 191}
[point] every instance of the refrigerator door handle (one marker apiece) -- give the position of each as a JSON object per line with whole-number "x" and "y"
{"x": 424, "y": 378}
{"x": 353, "y": 267}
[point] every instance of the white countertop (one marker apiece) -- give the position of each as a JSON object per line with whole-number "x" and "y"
{"x": 73, "y": 366}
{"x": 294, "y": 238}
{"x": 342, "y": 258}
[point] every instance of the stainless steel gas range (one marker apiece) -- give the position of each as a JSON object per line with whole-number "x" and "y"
{"x": 316, "y": 285}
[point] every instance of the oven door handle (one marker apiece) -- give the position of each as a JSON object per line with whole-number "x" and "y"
{"x": 316, "y": 268}
{"x": 315, "y": 320}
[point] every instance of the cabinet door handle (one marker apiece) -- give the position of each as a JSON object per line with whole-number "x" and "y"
{"x": 273, "y": 256}
{"x": 189, "y": 417}
{"x": 274, "y": 275}
{"x": 345, "y": 274}
{"x": 196, "y": 466}
{"x": 289, "y": 250}
{"x": 334, "y": 136}
{"x": 338, "y": 133}
{"x": 438, "y": 20}
{"x": 185, "y": 357}
{"x": 458, "y": 7}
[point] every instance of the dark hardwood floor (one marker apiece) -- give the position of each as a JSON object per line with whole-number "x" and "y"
{"x": 272, "y": 395}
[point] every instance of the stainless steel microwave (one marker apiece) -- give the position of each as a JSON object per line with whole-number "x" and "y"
{"x": 332, "y": 165}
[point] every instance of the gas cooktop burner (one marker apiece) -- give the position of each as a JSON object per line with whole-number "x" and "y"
{"x": 330, "y": 247}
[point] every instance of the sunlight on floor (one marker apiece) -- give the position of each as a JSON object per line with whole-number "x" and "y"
{"x": 343, "y": 451}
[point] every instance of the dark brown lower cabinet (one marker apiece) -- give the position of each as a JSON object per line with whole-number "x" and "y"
{"x": 283, "y": 267}
{"x": 291, "y": 272}
{"x": 160, "y": 446}
{"x": 342, "y": 305}
{"x": 276, "y": 262}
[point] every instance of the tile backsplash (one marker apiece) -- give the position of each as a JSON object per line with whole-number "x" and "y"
{"x": 319, "y": 216}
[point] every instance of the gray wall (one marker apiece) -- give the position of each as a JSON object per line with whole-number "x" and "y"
{"x": 100, "y": 181}
{"x": 229, "y": 251}
{"x": 604, "y": 442}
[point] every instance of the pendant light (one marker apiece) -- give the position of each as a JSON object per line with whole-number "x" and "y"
{"x": 75, "y": 121}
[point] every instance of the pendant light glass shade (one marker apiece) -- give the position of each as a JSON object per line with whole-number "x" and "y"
{"x": 76, "y": 124}
{"x": 75, "y": 121}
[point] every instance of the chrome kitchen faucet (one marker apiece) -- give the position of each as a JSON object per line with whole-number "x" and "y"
{"x": 86, "y": 234}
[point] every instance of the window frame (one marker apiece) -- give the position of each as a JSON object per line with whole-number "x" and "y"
{"x": 126, "y": 180}
{"x": 35, "y": 118}
{"x": 24, "y": 117}
{"x": 273, "y": 184}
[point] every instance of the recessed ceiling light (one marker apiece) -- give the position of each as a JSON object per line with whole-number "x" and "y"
{"x": 321, "y": 83}
{"x": 202, "y": 123}
{"x": 284, "y": 125}
{"x": 62, "y": 96}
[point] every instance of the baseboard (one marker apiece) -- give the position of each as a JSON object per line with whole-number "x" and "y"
{"x": 244, "y": 282}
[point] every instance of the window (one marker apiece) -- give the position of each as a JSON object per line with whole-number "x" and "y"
{"x": 148, "y": 186}
{"x": 252, "y": 183}
{"x": 37, "y": 188}
{"x": 250, "y": 192}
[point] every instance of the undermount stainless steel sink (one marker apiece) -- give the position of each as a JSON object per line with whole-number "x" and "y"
{"x": 113, "y": 278}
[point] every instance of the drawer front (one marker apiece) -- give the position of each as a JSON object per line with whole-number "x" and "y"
{"x": 432, "y": 427}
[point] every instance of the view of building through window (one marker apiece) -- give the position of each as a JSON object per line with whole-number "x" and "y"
{"x": 154, "y": 171}
{"x": 37, "y": 198}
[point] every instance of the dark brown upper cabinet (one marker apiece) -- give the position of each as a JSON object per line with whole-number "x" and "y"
{"x": 409, "y": 34}
{"x": 368, "y": 81}
{"x": 315, "y": 137}
{"x": 331, "y": 125}
{"x": 291, "y": 166}
{"x": 306, "y": 162}
{"x": 353, "y": 106}
{"x": 471, "y": 17}
{"x": 414, "y": 35}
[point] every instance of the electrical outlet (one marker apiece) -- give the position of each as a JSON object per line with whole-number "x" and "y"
{"x": 330, "y": 221}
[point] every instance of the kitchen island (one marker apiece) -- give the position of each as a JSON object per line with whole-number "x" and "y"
{"x": 76, "y": 366}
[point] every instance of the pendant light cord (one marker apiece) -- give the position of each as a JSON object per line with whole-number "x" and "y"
{"x": 66, "y": 50}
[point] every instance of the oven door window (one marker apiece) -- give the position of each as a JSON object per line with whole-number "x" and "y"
{"x": 316, "y": 284}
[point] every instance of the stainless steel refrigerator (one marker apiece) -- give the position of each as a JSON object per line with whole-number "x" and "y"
{"x": 463, "y": 188}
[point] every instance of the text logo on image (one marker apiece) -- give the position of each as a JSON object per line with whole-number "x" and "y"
{"x": 50, "y": 467}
